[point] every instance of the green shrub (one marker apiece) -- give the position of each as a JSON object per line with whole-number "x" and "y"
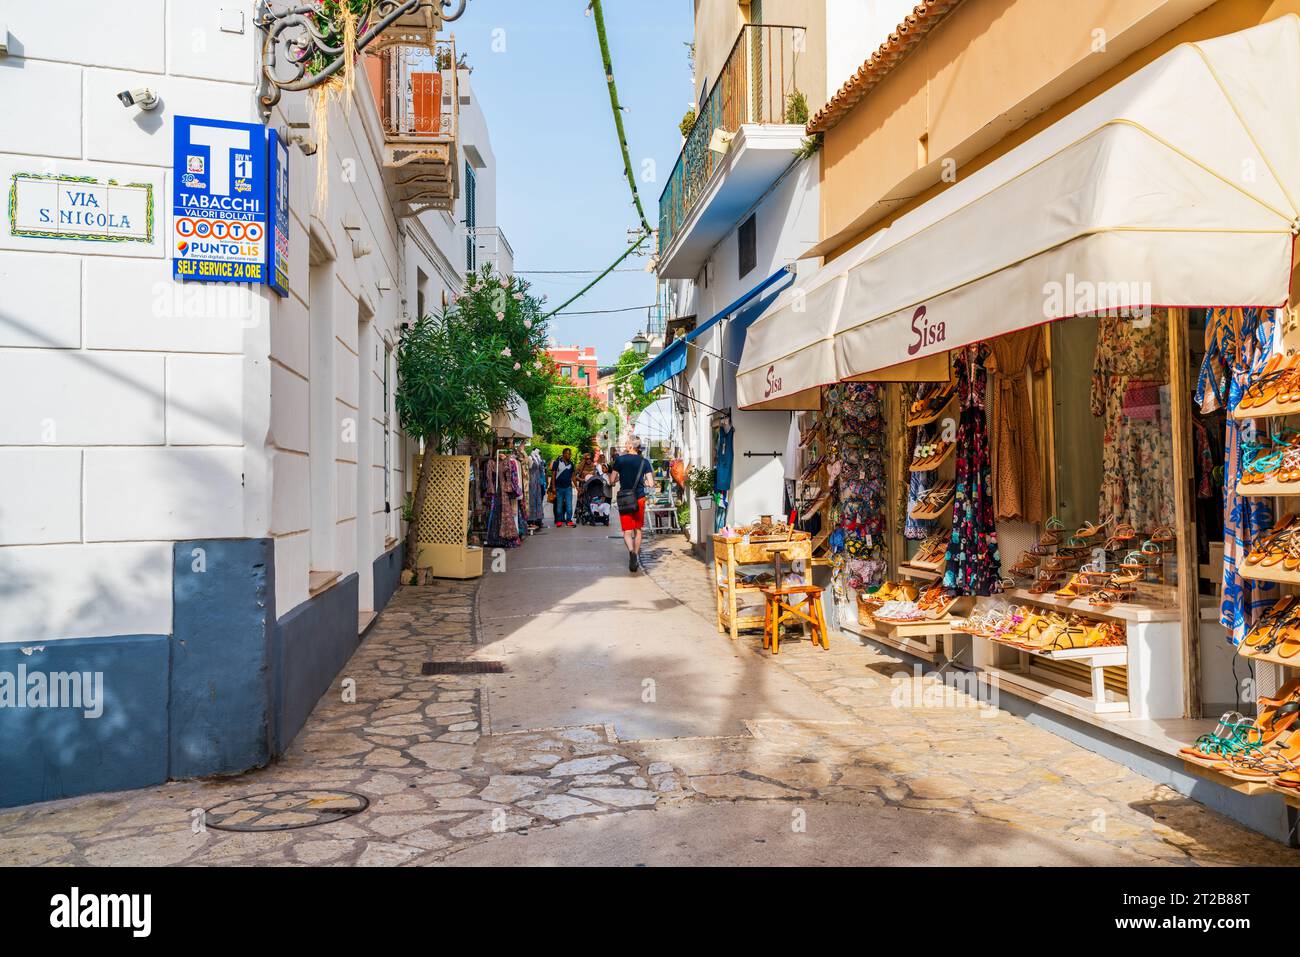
{"x": 701, "y": 481}
{"x": 551, "y": 451}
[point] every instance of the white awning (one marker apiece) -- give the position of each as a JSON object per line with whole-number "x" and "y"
{"x": 1176, "y": 187}
{"x": 789, "y": 352}
{"x": 515, "y": 421}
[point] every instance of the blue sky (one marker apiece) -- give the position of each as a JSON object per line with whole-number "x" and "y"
{"x": 562, "y": 199}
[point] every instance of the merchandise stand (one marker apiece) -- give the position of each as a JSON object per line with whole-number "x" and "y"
{"x": 1143, "y": 684}
{"x": 731, "y": 553}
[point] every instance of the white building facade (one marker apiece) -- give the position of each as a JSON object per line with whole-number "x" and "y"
{"x": 741, "y": 209}
{"x": 200, "y": 483}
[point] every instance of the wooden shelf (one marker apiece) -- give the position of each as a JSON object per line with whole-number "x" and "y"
{"x": 1272, "y": 657}
{"x": 952, "y": 447}
{"x": 909, "y": 629}
{"x": 1269, "y": 489}
{"x": 1270, "y": 573}
{"x": 923, "y": 645}
{"x": 1121, "y": 611}
{"x": 930, "y": 516}
{"x": 1251, "y": 788}
{"x": 919, "y": 573}
{"x": 1269, "y": 409}
{"x": 1052, "y": 693}
{"x": 926, "y": 420}
{"x": 1104, "y": 656}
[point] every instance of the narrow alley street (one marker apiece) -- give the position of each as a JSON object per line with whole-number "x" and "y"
{"x": 623, "y": 729}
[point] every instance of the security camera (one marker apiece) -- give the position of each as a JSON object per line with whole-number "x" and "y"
{"x": 304, "y": 142}
{"x": 141, "y": 96}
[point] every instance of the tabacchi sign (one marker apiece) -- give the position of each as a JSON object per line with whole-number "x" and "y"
{"x": 219, "y": 201}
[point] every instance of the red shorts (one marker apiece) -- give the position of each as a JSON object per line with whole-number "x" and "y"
{"x": 636, "y": 520}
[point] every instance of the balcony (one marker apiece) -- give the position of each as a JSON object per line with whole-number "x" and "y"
{"x": 739, "y": 146}
{"x": 419, "y": 102}
{"x": 489, "y": 245}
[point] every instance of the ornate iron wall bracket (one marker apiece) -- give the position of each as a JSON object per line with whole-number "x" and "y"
{"x": 306, "y": 37}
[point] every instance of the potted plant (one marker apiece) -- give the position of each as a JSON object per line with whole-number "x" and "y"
{"x": 701, "y": 481}
{"x": 458, "y": 366}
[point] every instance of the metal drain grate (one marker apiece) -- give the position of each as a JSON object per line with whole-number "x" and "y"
{"x": 285, "y": 810}
{"x": 462, "y": 668}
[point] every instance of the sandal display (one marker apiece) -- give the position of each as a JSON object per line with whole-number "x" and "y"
{"x": 926, "y": 408}
{"x": 932, "y": 549}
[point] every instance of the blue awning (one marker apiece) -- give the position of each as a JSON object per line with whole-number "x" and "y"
{"x": 672, "y": 361}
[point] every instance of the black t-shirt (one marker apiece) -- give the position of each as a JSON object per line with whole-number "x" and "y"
{"x": 563, "y": 473}
{"x": 628, "y": 466}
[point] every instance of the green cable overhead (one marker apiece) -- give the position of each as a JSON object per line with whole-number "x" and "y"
{"x": 610, "y": 268}
{"x": 618, "y": 111}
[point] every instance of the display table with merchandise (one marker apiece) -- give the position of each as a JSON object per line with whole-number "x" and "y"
{"x": 757, "y": 554}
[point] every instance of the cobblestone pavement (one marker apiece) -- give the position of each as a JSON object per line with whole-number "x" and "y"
{"x": 440, "y": 783}
{"x": 412, "y": 744}
{"x": 907, "y": 743}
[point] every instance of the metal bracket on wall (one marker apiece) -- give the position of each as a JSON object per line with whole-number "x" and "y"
{"x": 312, "y": 41}
{"x": 763, "y": 455}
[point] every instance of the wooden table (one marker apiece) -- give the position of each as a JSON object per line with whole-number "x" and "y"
{"x": 734, "y": 552}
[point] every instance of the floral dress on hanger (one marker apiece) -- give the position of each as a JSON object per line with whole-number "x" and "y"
{"x": 1130, "y": 370}
{"x": 973, "y": 563}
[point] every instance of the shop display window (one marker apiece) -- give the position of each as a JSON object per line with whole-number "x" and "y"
{"x": 1112, "y": 473}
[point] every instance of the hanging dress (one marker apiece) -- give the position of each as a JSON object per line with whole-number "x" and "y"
{"x": 1238, "y": 343}
{"x": 1017, "y": 478}
{"x": 1130, "y": 371}
{"x": 973, "y": 565}
{"x": 536, "y": 490}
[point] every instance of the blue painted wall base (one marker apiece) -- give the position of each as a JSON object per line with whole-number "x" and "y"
{"x": 312, "y": 644}
{"x": 387, "y": 573}
{"x": 223, "y": 614}
{"x": 53, "y": 752}
{"x": 227, "y": 691}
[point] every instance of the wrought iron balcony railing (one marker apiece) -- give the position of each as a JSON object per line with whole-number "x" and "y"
{"x": 418, "y": 89}
{"x": 420, "y": 98}
{"x": 754, "y": 87}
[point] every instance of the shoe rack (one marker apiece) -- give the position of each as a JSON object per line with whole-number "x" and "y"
{"x": 943, "y": 464}
{"x": 1280, "y": 491}
{"x": 813, "y": 487}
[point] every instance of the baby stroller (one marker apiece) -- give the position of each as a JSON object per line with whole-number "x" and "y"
{"x": 593, "y": 501}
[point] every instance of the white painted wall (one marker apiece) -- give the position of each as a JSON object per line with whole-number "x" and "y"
{"x": 787, "y": 223}
{"x": 139, "y": 411}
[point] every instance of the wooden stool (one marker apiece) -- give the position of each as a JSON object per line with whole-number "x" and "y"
{"x": 806, "y": 607}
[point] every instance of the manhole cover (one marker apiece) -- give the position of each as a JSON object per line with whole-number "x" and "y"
{"x": 462, "y": 668}
{"x": 285, "y": 810}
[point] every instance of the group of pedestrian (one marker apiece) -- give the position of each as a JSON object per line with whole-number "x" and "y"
{"x": 631, "y": 474}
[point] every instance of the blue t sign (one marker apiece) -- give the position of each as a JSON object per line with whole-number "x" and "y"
{"x": 219, "y": 201}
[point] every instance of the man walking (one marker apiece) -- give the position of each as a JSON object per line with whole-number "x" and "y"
{"x": 632, "y": 472}
{"x": 562, "y": 469}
